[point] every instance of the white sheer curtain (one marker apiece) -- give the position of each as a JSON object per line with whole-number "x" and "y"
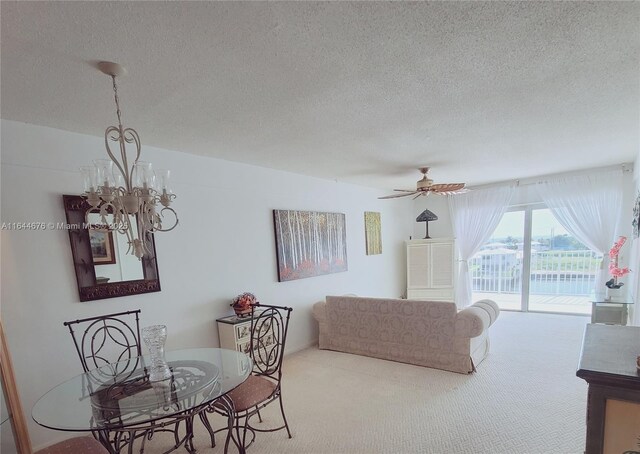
{"x": 475, "y": 215}
{"x": 588, "y": 207}
{"x": 634, "y": 282}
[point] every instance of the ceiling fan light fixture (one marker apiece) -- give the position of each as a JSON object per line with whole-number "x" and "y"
{"x": 424, "y": 183}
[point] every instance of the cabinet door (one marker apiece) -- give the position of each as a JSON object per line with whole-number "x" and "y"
{"x": 441, "y": 265}
{"x": 418, "y": 266}
{"x": 431, "y": 270}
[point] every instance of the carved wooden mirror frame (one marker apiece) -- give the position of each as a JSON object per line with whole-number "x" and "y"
{"x": 75, "y": 208}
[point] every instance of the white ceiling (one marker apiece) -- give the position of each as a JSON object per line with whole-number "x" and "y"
{"x": 360, "y": 92}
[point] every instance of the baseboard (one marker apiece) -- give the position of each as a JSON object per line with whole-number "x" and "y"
{"x": 299, "y": 348}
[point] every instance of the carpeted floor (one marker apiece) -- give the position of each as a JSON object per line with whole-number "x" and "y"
{"x": 525, "y": 398}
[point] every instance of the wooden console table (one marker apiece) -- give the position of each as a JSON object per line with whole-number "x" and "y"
{"x": 608, "y": 365}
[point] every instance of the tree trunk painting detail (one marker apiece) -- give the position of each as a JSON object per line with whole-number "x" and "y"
{"x": 373, "y": 236}
{"x": 309, "y": 243}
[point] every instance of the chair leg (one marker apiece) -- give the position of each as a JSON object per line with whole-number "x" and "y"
{"x": 176, "y": 435}
{"x": 244, "y": 432}
{"x": 132, "y": 438}
{"x": 286, "y": 424}
{"x": 188, "y": 444}
{"x": 207, "y": 425}
{"x": 226, "y": 442}
{"x": 259, "y": 415}
{"x": 225, "y": 405}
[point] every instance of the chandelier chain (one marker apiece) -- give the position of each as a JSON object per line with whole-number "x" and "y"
{"x": 115, "y": 96}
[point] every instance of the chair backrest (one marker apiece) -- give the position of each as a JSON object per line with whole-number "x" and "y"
{"x": 106, "y": 339}
{"x": 269, "y": 325}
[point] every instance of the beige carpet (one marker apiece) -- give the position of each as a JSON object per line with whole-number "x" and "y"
{"x": 525, "y": 398}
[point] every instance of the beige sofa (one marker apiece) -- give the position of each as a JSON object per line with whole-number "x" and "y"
{"x": 425, "y": 333}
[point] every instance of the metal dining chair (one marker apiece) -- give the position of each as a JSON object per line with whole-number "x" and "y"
{"x": 106, "y": 339}
{"x": 269, "y": 325}
{"x": 114, "y": 340}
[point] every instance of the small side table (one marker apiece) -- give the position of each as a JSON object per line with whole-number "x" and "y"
{"x": 234, "y": 333}
{"x": 613, "y": 312}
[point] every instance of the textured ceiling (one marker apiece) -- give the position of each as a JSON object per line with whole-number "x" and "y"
{"x": 360, "y": 92}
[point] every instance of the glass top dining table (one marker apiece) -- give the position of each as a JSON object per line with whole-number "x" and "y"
{"x": 120, "y": 395}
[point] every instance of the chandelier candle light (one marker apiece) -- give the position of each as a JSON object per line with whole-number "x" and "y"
{"x": 129, "y": 193}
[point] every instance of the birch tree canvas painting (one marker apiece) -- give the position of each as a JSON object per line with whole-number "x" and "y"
{"x": 309, "y": 243}
{"x": 373, "y": 237}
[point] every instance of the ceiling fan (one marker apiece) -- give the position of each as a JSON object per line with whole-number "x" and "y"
{"x": 425, "y": 186}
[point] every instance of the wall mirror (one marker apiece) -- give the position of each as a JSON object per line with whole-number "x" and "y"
{"x": 103, "y": 267}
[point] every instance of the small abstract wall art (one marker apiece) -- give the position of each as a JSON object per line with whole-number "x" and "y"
{"x": 373, "y": 236}
{"x": 309, "y": 243}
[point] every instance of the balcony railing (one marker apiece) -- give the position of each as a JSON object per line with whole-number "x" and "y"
{"x": 555, "y": 272}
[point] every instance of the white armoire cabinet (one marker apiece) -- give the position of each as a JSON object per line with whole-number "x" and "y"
{"x": 431, "y": 269}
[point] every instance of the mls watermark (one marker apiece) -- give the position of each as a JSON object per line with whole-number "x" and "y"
{"x": 39, "y": 225}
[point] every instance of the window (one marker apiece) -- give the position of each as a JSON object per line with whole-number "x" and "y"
{"x": 531, "y": 263}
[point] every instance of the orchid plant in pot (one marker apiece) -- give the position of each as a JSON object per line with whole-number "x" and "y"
{"x": 614, "y": 271}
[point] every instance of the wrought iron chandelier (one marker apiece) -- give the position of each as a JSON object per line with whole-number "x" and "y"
{"x": 126, "y": 197}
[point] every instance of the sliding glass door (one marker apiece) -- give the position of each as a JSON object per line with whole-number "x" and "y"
{"x": 531, "y": 263}
{"x": 563, "y": 270}
{"x": 497, "y": 269}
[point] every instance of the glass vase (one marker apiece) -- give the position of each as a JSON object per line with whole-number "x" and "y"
{"x": 154, "y": 337}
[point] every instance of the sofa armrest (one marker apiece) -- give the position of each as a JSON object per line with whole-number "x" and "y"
{"x": 320, "y": 311}
{"x": 490, "y": 307}
{"x": 472, "y": 321}
{"x": 320, "y": 314}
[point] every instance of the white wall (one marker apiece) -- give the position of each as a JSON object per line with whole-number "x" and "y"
{"x": 223, "y": 246}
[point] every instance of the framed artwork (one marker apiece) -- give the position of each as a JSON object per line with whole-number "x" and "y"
{"x": 309, "y": 243}
{"x": 102, "y": 246}
{"x": 373, "y": 237}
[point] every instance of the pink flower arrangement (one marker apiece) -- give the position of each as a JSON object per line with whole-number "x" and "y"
{"x": 243, "y": 302}
{"x": 613, "y": 255}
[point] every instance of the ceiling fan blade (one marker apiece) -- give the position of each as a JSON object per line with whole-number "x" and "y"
{"x": 405, "y": 190}
{"x": 424, "y": 193}
{"x": 446, "y": 187}
{"x": 397, "y": 195}
{"x": 461, "y": 191}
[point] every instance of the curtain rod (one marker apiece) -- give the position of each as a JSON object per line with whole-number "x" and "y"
{"x": 626, "y": 167}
